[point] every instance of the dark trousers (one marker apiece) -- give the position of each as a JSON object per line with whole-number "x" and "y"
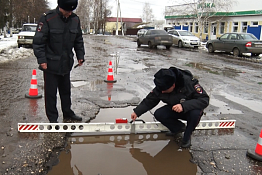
{"x": 63, "y": 84}
{"x": 169, "y": 118}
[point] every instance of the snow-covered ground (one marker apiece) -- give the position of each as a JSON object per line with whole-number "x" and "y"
{"x": 10, "y": 51}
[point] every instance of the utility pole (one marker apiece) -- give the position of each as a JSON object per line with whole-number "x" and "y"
{"x": 122, "y": 29}
{"x": 117, "y": 17}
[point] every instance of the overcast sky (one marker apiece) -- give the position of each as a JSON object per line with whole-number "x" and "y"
{"x": 134, "y": 8}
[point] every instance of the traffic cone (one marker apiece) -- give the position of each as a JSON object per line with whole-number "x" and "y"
{"x": 33, "y": 91}
{"x": 257, "y": 154}
{"x": 110, "y": 76}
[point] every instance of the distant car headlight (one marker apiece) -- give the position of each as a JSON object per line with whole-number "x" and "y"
{"x": 158, "y": 38}
{"x": 185, "y": 39}
{"x": 21, "y": 37}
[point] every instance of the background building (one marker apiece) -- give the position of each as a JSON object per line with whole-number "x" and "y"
{"x": 127, "y": 23}
{"x": 210, "y": 20}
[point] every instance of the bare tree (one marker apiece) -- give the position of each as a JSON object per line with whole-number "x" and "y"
{"x": 4, "y": 11}
{"x": 100, "y": 13}
{"x": 84, "y": 11}
{"x": 28, "y": 11}
{"x": 202, "y": 11}
{"x": 147, "y": 13}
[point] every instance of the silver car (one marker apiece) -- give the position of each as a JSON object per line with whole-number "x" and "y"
{"x": 184, "y": 38}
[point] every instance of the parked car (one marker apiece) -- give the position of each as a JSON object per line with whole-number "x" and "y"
{"x": 237, "y": 43}
{"x": 15, "y": 31}
{"x": 184, "y": 38}
{"x": 154, "y": 37}
{"x": 25, "y": 37}
{"x": 141, "y": 32}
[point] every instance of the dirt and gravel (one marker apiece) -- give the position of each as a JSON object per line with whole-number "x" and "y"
{"x": 234, "y": 85}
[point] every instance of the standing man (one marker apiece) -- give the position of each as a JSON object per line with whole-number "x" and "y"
{"x": 184, "y": 97}
{"x": 58, "y": 32}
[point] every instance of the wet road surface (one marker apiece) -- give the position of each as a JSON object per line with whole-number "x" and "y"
{"x": 234, "y": 85}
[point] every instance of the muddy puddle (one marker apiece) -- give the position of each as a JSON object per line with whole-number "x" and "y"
{"x": 128, "y": 154}
{"x": 111, "y": 114}
{"x": 228, "y": 72}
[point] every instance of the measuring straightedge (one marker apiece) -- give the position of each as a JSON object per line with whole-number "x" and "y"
{"x": 121, "y": 126}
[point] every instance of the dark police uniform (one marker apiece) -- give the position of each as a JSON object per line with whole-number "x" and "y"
{"x": 53, "y": 42}
{"x": 188, "y": 93}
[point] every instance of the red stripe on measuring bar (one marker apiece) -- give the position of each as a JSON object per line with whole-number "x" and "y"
{"x": 232, "y": 123}
{"x": 228, "y": 123}
{"x": 26, "y": 127}
{"x": 31, "y": 127}
{"x": 20, "y": 128}
{"x": 36, "y": 126}
{"x": 222, "y": 124}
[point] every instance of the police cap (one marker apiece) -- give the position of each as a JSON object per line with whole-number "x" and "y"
{"x": 164, "y": 79}
{"x": 68, "y": 5}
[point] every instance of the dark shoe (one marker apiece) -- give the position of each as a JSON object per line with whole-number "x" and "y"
{"x": 169, "y": 133}
{"x": 74, "y": 117}
{"x": 186, "y": 144}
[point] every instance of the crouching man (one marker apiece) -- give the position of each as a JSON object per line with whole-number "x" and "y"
{"x": 184, "y": 97}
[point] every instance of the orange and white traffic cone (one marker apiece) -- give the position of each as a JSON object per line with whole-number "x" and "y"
{"x": 110, "y": 76}
{"x": 257, "y": 154}
{"x": 33, "y": 91}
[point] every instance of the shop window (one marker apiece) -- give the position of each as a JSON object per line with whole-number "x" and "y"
{"x": 191, "y": 27}
{"x": 206, "y": 27}
{"x": 254, "y": 23}
{"x": 222, "y": 28}
{"x": 235, "y": 26}
{"x": 196, "y": 27}
{"x": 244, "y": 27}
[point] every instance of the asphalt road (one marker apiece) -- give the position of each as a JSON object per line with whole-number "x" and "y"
{"x": 234, "y": 85}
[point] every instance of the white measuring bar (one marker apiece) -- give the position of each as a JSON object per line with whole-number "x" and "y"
{"x": 135, "y": 127}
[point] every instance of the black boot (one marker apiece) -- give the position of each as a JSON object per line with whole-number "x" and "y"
{"x": 74, "y": 117}
{"x": 182, "y": 129}
{"x": 186, "y": 144}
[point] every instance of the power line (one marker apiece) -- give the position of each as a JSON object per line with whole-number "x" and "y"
{"x": 139, "y": 2}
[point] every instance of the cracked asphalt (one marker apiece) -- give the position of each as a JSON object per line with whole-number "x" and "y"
{"x": 234, "y": 85}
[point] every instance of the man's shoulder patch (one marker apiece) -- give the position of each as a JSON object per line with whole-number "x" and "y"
{"x": 40, "y": 25}
{"x": 198, "y": 88}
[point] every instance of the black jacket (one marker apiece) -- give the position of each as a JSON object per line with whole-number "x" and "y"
{"x": 54, "y": 39}
{"x": 187, "y": 92}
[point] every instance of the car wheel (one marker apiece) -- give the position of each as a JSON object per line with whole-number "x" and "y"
{"x": 210, "y": 48}
{"x": 180, "y": 44}
{"x": 168, "y": 47}
{"x": 138, "y": 43}
{"x": 19, "y": 45}
{"x": 150, "y": 45}
{"x": 236, "y": 52}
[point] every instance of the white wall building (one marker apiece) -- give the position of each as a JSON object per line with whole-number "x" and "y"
{"x": 239, "y": 16}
